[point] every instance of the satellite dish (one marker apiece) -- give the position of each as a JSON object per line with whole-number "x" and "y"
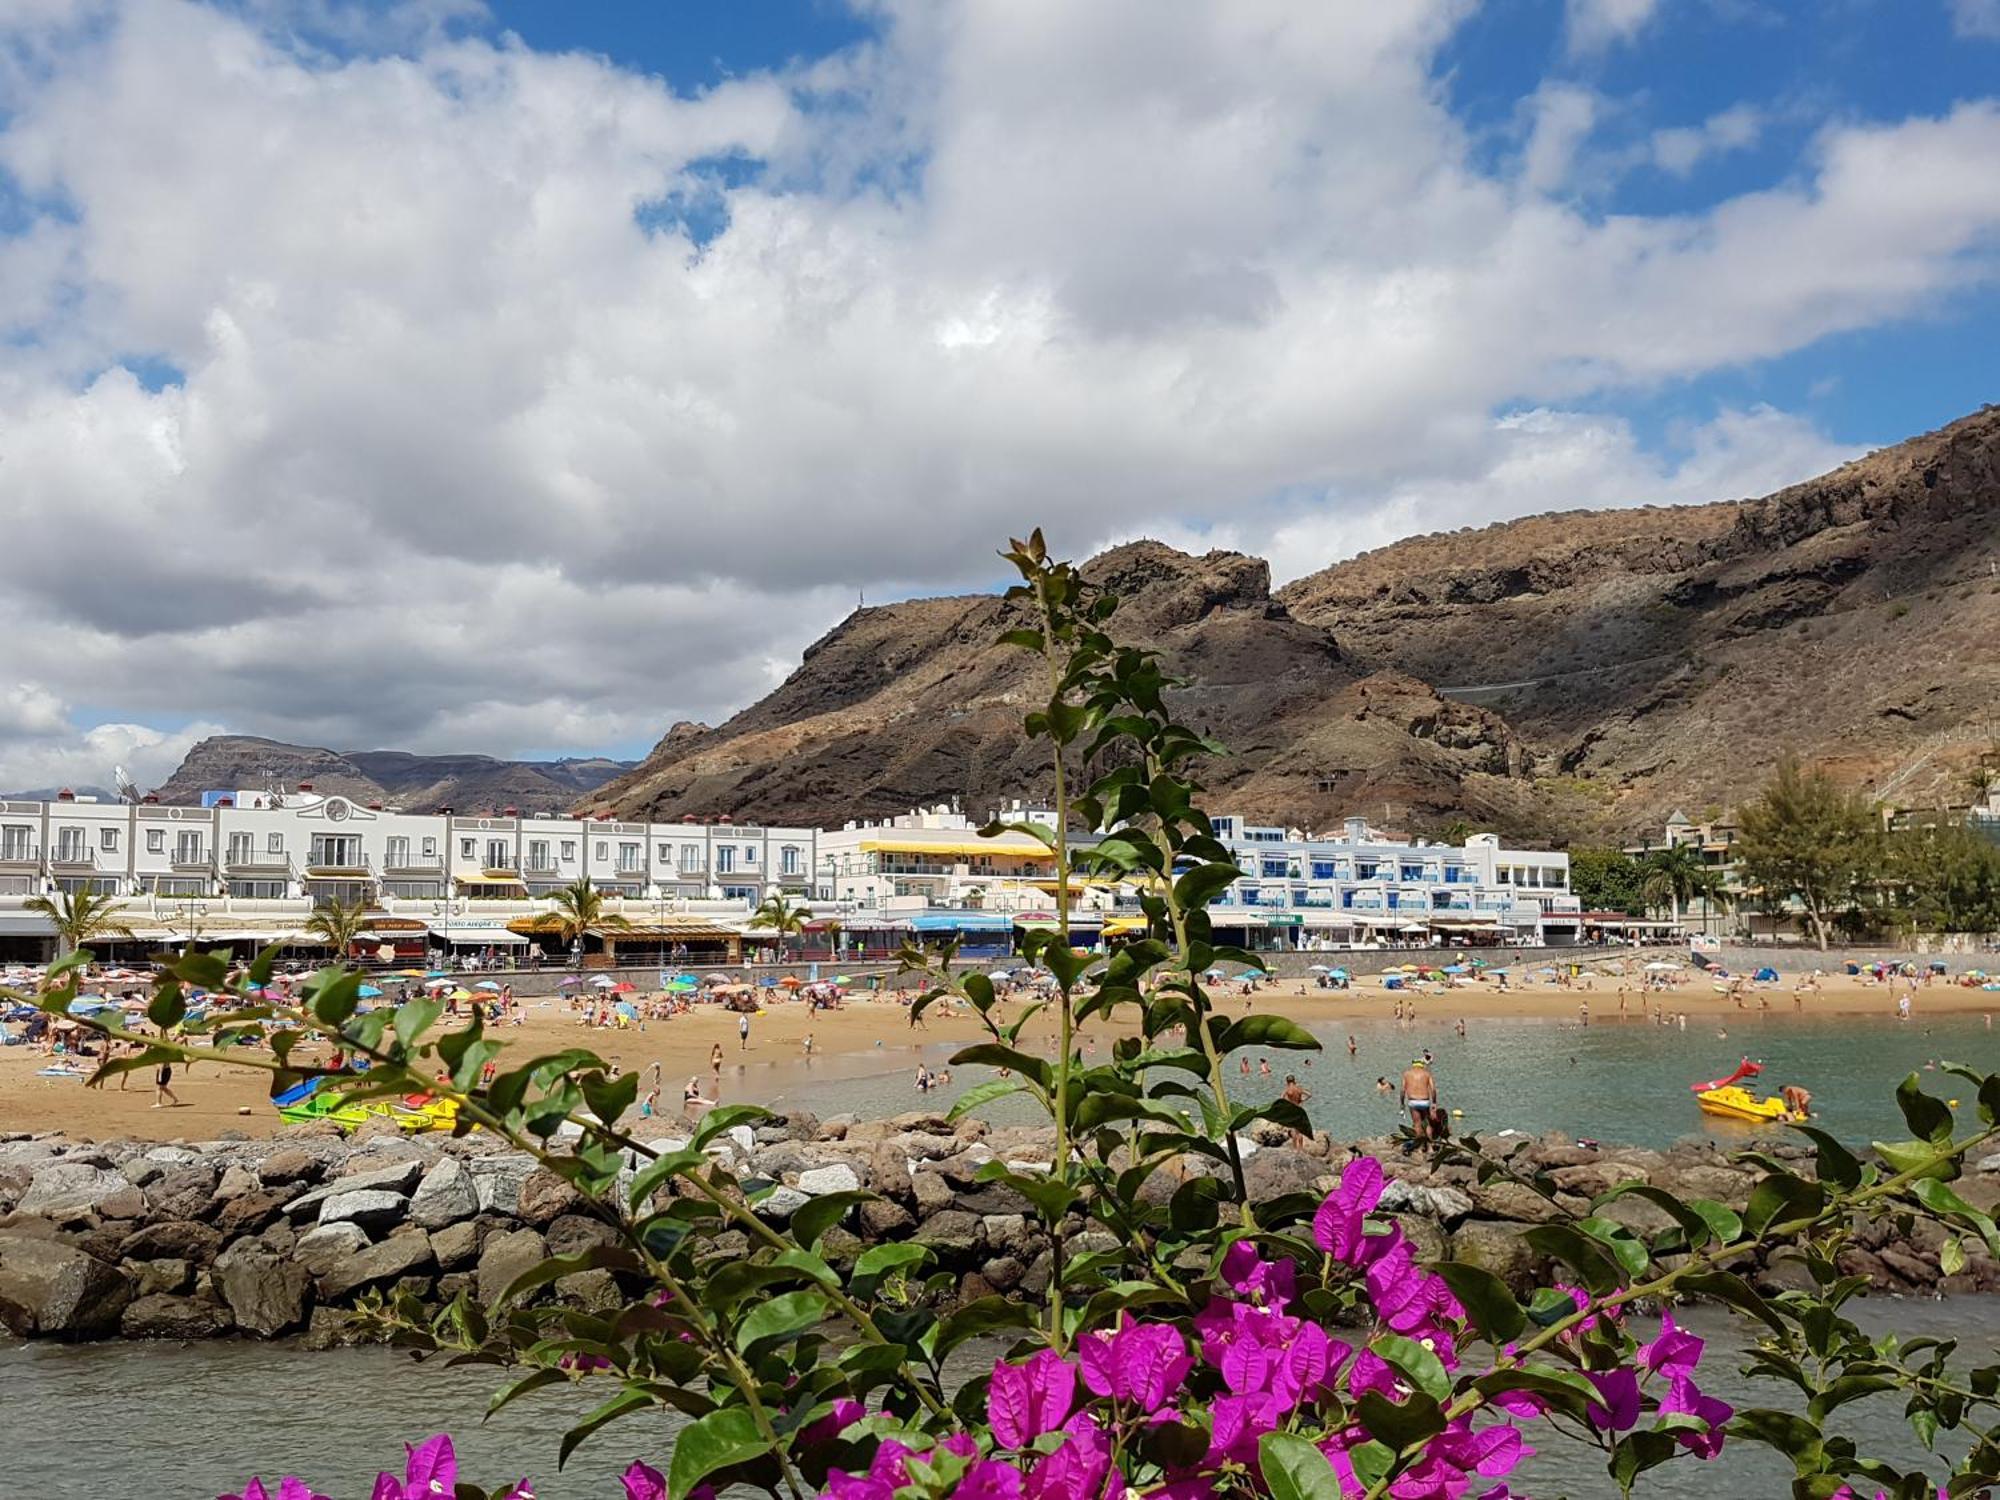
{"x": 127, "y": 792}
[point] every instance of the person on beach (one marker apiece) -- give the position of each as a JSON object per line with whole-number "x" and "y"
{"x": 743, "y": 1032}
{"x": 1352, "y": 1049}
{"x": 1296, "y": 1094}
{"x": 692, "y": 1093}
{"x": 809, "y": 1046}
{"x": 163, "y": 1093}
{"x": 1797, "y": 1100}
{"x": 715, "y": 1067}
{"x": 1419, "y": 1093}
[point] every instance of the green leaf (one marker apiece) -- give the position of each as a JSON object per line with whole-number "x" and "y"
{"x": 879, "y": 1260}
{"x": 659, "y": 1169}
{"x": 1836, "y": 1164}
{"x": 1426, "y": 1371}
{"x": 978, "y": 1318}
{"x": 785, "y": 1316}
{"x": 1399, "y": 1424}
{"x": 619, "y": 1405}
{"x": 1265, "y": 1031}
{"x": 1204, "y": 883}
{"x": 716, "y": 1121}
{"x": 997, "y": 1055}
{"x": 208, "y": 971}
{"x": 1295, "y": 1469}
{"x": 1781, "y": 1198}
{"x": 1371, "y": 1461}
{"x": 1916, "y": 1156}
{"x": 415, "y": 1017}
{"x": 1492, "y": 1308}
{"x": 533, "y": 1381}
{"x": 334, "y": 997}
{"x": 1637, "y": 1452}
{"x": 1795, "y": 1437}
{"x": 1951, "y": 1257}
{"x": 981, "y": 1094}
{"x": 1929, "y": 1119}
{"x": 815, "y": 1218}
{"x": 723, "y": 1438}
{"x": 1592, "y": 1261}
{"x": 1564, "y": 1390}
{"x": 1726, "y": 1286}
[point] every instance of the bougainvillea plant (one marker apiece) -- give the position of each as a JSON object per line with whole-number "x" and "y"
{"x": 1190, "y": 1343}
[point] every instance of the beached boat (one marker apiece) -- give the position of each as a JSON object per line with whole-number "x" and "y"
{"x": 311, "y": 1100}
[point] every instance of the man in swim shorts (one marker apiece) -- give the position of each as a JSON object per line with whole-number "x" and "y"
{"x": 1419, "y": 1094}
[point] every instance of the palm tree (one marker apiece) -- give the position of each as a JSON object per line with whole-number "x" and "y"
{"x": 338, "y": 924}
{"x": 579, "y": 907}
{"x": 80, "y": 916}
{"x": 1674, "y": 876}
{"x": 780, "y": 916}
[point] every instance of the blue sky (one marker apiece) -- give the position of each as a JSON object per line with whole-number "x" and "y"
{"x": 572, "y": 367}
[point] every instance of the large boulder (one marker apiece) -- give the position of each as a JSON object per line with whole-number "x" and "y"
{"x": 1498, "y": 1248}
{"x": 447, "y": 1195}
{"x": 837, "y": 1178}
{"x": 325, "y": 1246}
{"x": 403, "y": 1253}
{"x": 952, "y": 1232}
{"x": 506, "y": 1257}
{"x": 1444, "y": 1204}
{"x": 51, "y": 1289}
{"x": 290, "y": 1164}
{"x": 497, "y": 1180}
{"x": 544, "y": 1195}
{"x": 397, "y": 1177}
{"x": 456, "y": 1245}
{"x": 372, "y": 1208}
{"x": 248, "y": 1213}
{"x": 172, "y": 1239}
{"x": 267, "y": 1295}
{"x": 1277, "y": 1171}
{"x": 160, "y": 1316}
{"x": 1510, "y": 1200}
{"x": 575, "y": 1232}
{"x": 64, "y": 1189}
{"x": 181, "y": 1193}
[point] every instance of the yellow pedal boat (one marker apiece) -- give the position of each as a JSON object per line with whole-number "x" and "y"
{"x": 1733, "y": 1103}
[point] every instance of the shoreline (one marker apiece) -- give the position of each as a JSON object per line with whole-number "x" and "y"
{"x": 217, "y": 1099}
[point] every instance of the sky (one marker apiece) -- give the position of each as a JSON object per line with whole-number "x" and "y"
{"x": 526, "y": 377}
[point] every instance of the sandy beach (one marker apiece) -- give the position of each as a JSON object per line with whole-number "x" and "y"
{"x": 217, "y": 1097}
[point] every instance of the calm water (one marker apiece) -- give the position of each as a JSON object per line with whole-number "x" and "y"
{"x": 1612, "y": 1081}
{"x": 84, "y": 1422}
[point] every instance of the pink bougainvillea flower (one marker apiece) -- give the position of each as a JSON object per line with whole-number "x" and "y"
{"x": 1458, "y": 1455}
{"x": 1617, "y": 1404}
{"x": 1371, "y": 1372}
{"x": 1078, "y": 1470}
{"x": 1407, "y": 1298}
{"x": 431, "y": 1472}
{"x": 1341, "y": 1223}
{"x": 846, "y": 1412}
{"x": 289, "y": 1488}
{"x": 989, "y": 1479}
{"x": 1141, "y": 1363}
{"x": 644, "y": 1482}
{"x": 1268, "y": 1283}
{"x": 1026, "y": 1400}
{"x": 1674, "y": 1353}
{"x": 1237, "y": 1422}
{"x": 1683, "y": 1397}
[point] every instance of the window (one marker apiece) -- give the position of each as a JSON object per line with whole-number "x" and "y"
{"x": 725, "y": 859}
{"x": 430, "y": 848}
{"x": 538, "y": 855}
{"x": 788, "y": 860}
{"x": 107, "y": 840}
{"x": 156, "y": 841}
{"x": 1322, "y": 869}
{"x": 187, "y": 849}
{"x": 690, "y": 859}
{"x": 603, "y": 849}
{"x": 69, "y": 845}
{"x": 275, "y": 844}
{"x": 398, "y": 854}
{"x": 16, "y": 842}
{"x": 240, "y": 847}
{"x": 628, "y": 857}
{"x": 1274, "y": 868}
{"x": 749, "y": 856}
{"x": 739, "y": 893}
{"x": 468, "y": 848}
{"x": 499, "y": 854}
{"x": 569, "y": 848}
{"x": 666, "y": 854}
{"x": 332, "y": 851}
{"x": 260, "y": 890}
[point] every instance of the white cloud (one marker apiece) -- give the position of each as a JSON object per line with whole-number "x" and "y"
{"x": 1681, "y": 149}
{"x": 1979, "y": 18}
{"x": 1594, "y": 25}
{"x": 42, "y": 748}
{"x": 466, "y": 456}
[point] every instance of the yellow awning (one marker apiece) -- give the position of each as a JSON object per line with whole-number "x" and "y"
{"x": 487, "y": 879}
{"x": 968, "y": 851}
{"x": 1118, "y": 926}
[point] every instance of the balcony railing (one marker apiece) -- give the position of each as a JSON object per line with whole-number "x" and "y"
{"x": 73, "y": 857}
{"x": 250, "y": 860}
{"x": 20, "y": 854}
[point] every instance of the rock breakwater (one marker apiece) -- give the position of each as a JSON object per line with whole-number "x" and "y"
{"x": 270, "y": 1238}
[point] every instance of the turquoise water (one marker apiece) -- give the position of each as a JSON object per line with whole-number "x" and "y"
{"x": 87, "y": 1422}
{"x": 1612, "y": 1081}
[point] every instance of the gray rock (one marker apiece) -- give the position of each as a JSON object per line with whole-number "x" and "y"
{"x": 497, "y": 1181}
{"x": 1441, "y": 1203}
{"x": 1509, "y": 1200}
{"x": 236, "y": 1181}
{"x": 154, "y": 1277}
{"x": 174, "y": 1239}
{"x": 266, "y": 1294}
{"x": 1989, "y": 1163}
{"x": 933, "y": 1193}
{"x": 835, "y": 1127}
{"x": 1593, "y": 1179}
{"x": 1004, "y": 1272}
{"x": 883, "y": 1219}
{"x": 402, "y": 1253}
{"x": 398, "y": 1178}
{"x": 593, "y": 1291}
{"x": 160, "y": 1316}
{"x": 1498, "y": 1248}
{"x": 63, "y": 1188}
{"x": 181, "y": 1193}
{"x": 1280, "y": 1170}
{"x": 574, "y": 1232}
{"x": 251, "y": 1212}
{"x": 456, "y": 1245}
{"x": 173, "y": 1156}
{"x": 50, "y": 1289}
{"x": 838, "y": 1178}
{"x": 448, "y": 1194}
{"x": 138, "y": 1171}
{"x": 781, "y": 1203}
{"x": 506, "y": 1257}
{"x": 371, "y": 1208}
{"x": 1006, "y": 1234}
{"x": 324, "y": 1246}
{"x": 290, "y": 1164}
{"x": 952, "y": 1232}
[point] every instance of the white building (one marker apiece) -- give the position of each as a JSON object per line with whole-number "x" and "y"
{"x": 254, "y": 865}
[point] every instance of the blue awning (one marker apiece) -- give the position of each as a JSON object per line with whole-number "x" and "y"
{"x": 959, "y": 921}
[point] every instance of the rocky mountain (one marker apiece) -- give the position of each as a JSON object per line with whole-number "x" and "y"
{"x": 1571, "y": 675}
{"x": 396, "y": 778}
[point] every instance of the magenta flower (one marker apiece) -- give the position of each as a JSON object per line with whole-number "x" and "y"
{"x": 1078, "y": 1470}
{"x": 1141, "y": 1363}
{"x": 1341, "y": 1223}
{"x": 1458, "y": 1455}
{"x": 1236, "y": 1424}
{"x": 1026, "y": 1400}
{"x": 1407, "y": 1298}
{"x": 846, "y": 1412}
{"x": 1683, "y": 1397}
{"x": 431, "y": 1471}
{"x": 989, "y": 1479}
{"x": 289, "y": 1488}
{"x": 1674, "y": 1353}
{"x": 1269, "y": 1283}
{"x": 643, "y": 1482}
{"x": 1617, "y": 1404}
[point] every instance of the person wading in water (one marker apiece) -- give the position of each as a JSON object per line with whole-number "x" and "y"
{"x": 1419, "y": 1094}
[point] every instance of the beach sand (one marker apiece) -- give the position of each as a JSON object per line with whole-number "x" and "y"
{"x": 220, "y": 1097}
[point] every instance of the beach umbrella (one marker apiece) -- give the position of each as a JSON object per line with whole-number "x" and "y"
{"x": 1000, "y": 974}
{"x": 568, "y": 982}
{"x": 463, "y": 995}
{"x": 487, "y": 984}
{"x": 602, "y": 981}
{"x": 629, "y": 1011}
{"x": 1318, "y": 969}
{"x": 791, "y": 981}
{"x": 843, "y": 979}
{"x": 438, "y": 984}
{"x": 624, "y": 987}
{"x": 1337, "y": 973}
{"x": 368, "y": 992}
{"x": 437, "y": 973}
{"x": 1212, "y": 974}
{"x": 1661, "y": 967}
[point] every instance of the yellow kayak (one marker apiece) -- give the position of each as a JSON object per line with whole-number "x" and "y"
{"x": 1733, "y": 1103}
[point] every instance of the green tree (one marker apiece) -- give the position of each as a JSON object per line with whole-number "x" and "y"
{"x": 780, "y": 916}
{"x": 1672, "y": 878}
{"x": 1605, "y": 879}
{"x": 80, "y": 917}
{"x": 1942, "y": 879}
{"x": 1807, "y": 839}
{"x": 338, "y": 924}
{"x": 579, "y": 908}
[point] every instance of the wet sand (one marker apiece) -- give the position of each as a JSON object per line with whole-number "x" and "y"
{"x": 218, "y": 1097}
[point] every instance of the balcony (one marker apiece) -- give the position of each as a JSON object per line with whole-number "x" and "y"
{"x": 20, "y": 856}
{"x": 324, "y": 864}
{"x": 73, "y": 857}
{"x": 194, "y": 859}
{"x": 544, "y": 866}
{"x": 250, "y": 862}
{"x": 406, "y": 866}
